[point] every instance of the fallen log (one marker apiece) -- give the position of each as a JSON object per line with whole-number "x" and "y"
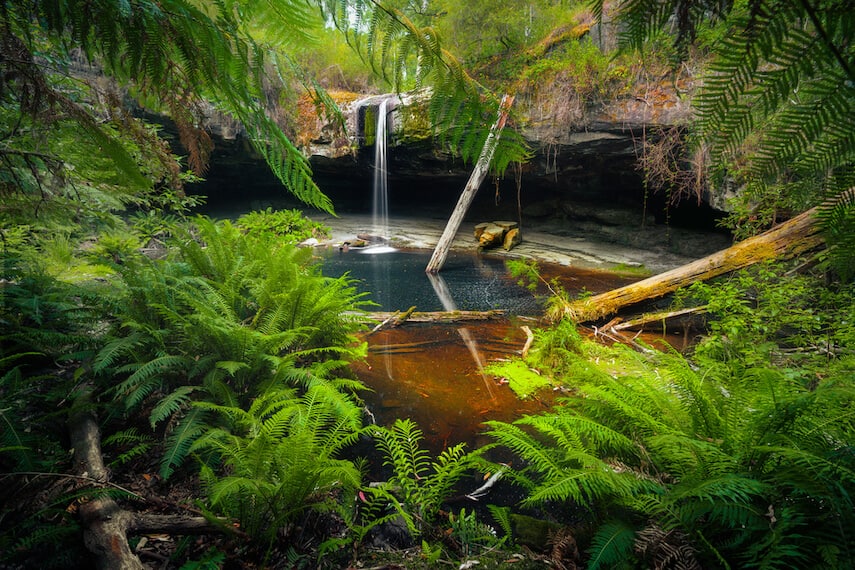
{"x": 106, "y": 525}
{"x": 393, "y": 319}
{"x": 440, "y": 253}
{"x": 789, "y": 239}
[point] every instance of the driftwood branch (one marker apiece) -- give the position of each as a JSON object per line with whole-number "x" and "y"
{"x": 394, "y": 319}
{"x": 643, "y": 320}
{"x": 529, "y": 338}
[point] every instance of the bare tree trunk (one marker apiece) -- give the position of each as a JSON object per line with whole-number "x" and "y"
{"x": 789, "y": 239}
{"x": 440, "y": 253}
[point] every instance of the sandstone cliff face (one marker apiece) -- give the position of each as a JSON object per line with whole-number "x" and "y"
{"x": 581, "y": 150}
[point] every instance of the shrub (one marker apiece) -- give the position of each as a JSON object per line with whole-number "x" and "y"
{"x": 287, "y": 225}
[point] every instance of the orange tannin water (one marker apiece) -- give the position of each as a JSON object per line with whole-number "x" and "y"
{"x": 428, "y": 373}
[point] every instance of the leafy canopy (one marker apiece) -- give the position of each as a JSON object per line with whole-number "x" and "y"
{"x": 175, "y": 56}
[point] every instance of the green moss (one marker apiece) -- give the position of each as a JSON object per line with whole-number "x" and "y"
{"x": 631, "y": 270}
{"x": 415, "y": 123}
{"x": 533, "y": 533}
{"x": 522, "y": 379}
{"x": 85, "y": 272}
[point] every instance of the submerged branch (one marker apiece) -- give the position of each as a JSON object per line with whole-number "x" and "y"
{"x": 393, "y": 319}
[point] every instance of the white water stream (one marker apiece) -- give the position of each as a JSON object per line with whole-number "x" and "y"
{"x": 380, "y": 201}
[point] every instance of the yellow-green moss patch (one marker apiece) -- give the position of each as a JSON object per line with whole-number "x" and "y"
{"x": 521, "y": 379}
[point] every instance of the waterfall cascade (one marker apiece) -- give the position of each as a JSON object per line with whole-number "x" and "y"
{"x": 380, "y": 209}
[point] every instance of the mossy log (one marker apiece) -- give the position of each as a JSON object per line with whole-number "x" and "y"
{"x": 788, "y": 239}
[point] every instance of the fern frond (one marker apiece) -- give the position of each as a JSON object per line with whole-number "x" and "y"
{"x": 171, "y": 404}
{"x": 837, "y": 216}
{"x": 612, "y": 546}
{"x": 400, "y": 446}
{"x": 147, "y": 377}
{"x": 115, "y": 350}
{"x": 585, "y": 486}
{"x": 180, "y": 440}
{"x": 524, "y": 445}
{"x": 139, "y": 445}
{"x": 502, "y": 516}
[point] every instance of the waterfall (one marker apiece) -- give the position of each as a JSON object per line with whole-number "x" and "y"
{"x": 380, "y": 208}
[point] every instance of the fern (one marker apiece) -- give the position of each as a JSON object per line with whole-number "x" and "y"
{"x": 704, "y": 455}
{"x": 223, "y": 323}
{"x": 612, "y": 546}
{"x": 502, "y": 516}
{"x": 136, "y": 445}
{"x": 418, "y": 485}
{"x": 155, "y": 50}
{"x": 279, "y": 459}
{"x": 176, "y": 401}
{"x": 180, "y": 440}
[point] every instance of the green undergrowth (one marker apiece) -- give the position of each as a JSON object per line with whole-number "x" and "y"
{"x": 737, "y": 454}
{"x": 287, "y": 226}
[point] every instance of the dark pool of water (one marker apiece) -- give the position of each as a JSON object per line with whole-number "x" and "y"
{"x": 397, "y": 281}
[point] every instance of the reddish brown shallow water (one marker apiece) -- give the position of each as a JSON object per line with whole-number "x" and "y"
{"x": 431, "y": 373}
{"x": 428, "y": 373}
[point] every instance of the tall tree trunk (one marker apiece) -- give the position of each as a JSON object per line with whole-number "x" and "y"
{"x": 789, "y": 239}
{"x": 440, "y": 253}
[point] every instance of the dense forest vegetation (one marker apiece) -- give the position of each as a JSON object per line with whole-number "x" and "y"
{"x": 171, "y": 380}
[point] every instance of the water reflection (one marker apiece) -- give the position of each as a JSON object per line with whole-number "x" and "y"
{"x": 425, "y": 373}
{"x": 477, "y": 283}
{"x": 434, "y": 374}
{"x": 440, "y": 287}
